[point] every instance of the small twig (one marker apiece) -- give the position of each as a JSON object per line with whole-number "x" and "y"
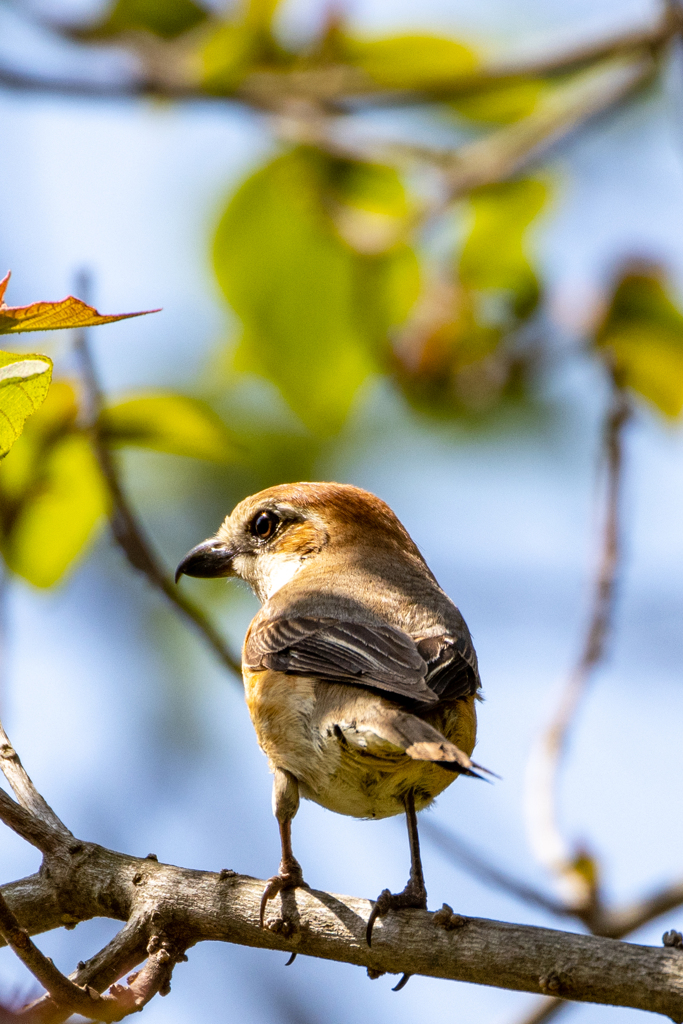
{"x": 545, "y": 1010}
{"x": 62, "y": 990}
{"x": 34, "y": 830}
{"x": 26, "y": 793}
{"x": 545, "y": 834}
{"x": 477, "y": 865}
{"x": 120, "y": 956}
{"x": 127, "y": 531}
{"x": 66, "y": 997}
{"x": 622, "y": 922}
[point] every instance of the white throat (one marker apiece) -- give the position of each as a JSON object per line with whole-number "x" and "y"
{"x": 267, "y": 573}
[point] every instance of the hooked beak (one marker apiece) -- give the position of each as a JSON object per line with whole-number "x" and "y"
{"x": 209, "y": 560}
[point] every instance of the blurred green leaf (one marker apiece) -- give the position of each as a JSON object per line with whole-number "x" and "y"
{"x": 494, "y": 258}
{"x": 642, "y": 333}
{"x": 24, "y": 383}
{"x": 58, "y": 517}
{"x": 368, "y": 204}
{"x": 238, "y": 45}
{"x": 311, "y": 324}
{"x": 458, "y": 352}
{"x": 412, "y": 61}
{"x": 165, "y": 18}
{"x": 170, "y": 423}
{"x": 501, "y": 102}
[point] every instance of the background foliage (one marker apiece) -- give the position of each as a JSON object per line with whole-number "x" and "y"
{"x": 365, "y": 284}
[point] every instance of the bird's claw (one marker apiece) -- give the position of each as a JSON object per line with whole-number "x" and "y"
{"x": 411, "y": 897}
{"x": 290, "y": 878}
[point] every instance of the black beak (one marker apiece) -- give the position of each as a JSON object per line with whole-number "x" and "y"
{"x": 208, "y": 560}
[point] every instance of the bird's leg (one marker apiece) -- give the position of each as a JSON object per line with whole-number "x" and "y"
{"x": 285, "y": 806}
{"x": 415, "y": 893}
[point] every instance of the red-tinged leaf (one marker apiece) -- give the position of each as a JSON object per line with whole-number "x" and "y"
{"x": 53, "y": 316}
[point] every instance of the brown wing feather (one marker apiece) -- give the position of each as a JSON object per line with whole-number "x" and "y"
{"x": 377, "y": 657}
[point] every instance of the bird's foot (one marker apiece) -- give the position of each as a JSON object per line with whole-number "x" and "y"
{"x": 413, "y": 896}
{"x": 290, "y": 876}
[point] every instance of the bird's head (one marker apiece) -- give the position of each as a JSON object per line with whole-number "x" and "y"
{"x": 271, "y": 535}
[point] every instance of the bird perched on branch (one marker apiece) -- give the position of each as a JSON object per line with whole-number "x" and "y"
{"x": 359, "y": 671}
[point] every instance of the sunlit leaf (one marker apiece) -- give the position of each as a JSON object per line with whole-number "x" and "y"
{"x": 53, "y": 316}
{"x": 58, "y": 519}
{"x": 501, "y": 102}
{"x": 165, "y": 18}
{"x": 412, "y": 61}
{"x": 642, "y": 333}
{"x": 55, "y": 418}
{"x": 24, "y": 383}
{"x": 494, "y": 258}
{"x": 310, "y": 322}
{"x": 170, "y": 423}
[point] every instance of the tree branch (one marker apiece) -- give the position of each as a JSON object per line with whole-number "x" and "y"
{"x": 26, "y": 793}
{"x": 338, "y": 86}
{"x": 127, "y": 531}
{"x": 551, "y": 848}
{"x": 192, "y": 906}
{"x": 477, "y": 865}
{"x": 34, "y": 830}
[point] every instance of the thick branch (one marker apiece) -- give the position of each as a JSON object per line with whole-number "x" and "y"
{"x": 192, "y": 906}
{"x": 128, "y": 532}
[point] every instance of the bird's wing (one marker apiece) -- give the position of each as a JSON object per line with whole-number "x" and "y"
{"x": 378, "y": 657}
{"x": 452, "y": 669}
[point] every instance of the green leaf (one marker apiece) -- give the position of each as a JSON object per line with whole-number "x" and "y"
{"x": 642, "y": 336}
{"x": 501, "y": 102}
{"x": 170, "y": 423}
{"x": 56, "y": 417}
{"x": 412, "y": 61}
{"x": 24, "y": 383}
{"x": 59, "y": 517}
{"x": 234, "y": 47}
{"x": 165, "y": 18}
{"x": 311, "y": 324}
{"x": 494, "y": 259}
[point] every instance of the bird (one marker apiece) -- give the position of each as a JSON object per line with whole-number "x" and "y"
{"x": 359, "y": 671}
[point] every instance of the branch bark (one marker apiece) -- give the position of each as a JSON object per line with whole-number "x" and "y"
{"x": 192, "y": 906}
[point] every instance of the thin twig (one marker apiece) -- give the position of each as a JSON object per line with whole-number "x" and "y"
{"x": 476, "y": 863}
{"x": 546, "y": 837}
{"x": 126, "y": 529}
{"x": 24, "y": 790}
{"x": 546, "y": 1009}
{"x": 62, "y": 990}
{"x": 66, "y": 997}
{"x": 34, "y": 830}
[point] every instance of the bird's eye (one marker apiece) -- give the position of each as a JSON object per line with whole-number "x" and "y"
{"x": 264, "y": 525}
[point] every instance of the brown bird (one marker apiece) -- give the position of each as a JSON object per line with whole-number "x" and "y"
{"x": 359, "y": 671}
